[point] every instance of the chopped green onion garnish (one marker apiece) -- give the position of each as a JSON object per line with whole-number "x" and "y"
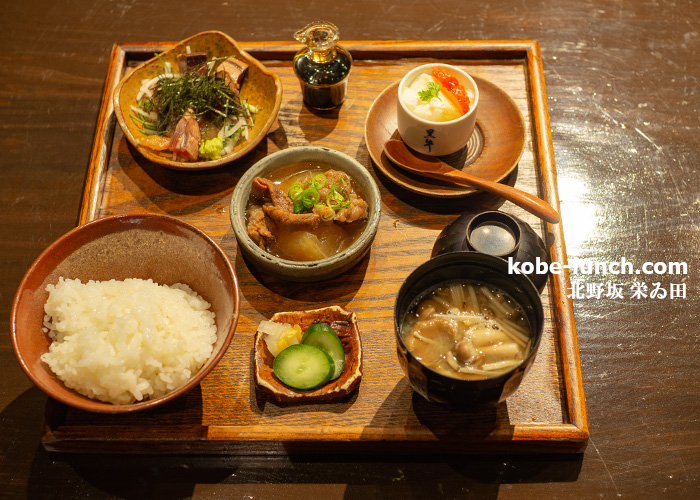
{"x": 309, "y": 196}
{"x": 295, "y": 190}
{"x": 319, "y": 181}
{"x": 305, "y": 196}
{"x": 144, "y": 123}
{"x": 298, "y": 206}
{"x": 337, "y": 199}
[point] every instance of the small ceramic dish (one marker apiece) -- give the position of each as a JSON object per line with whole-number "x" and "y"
{"x": 146, "y": 246}
{"x": 305, "y": 271}
{"x": 345, "y": 325}
{"x": 430, "y": 137}
{"x": 492, "y": 153}
{"x": 260, "y": 87}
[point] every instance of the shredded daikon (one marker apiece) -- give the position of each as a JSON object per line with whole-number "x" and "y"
{"x": 146, "y": 87}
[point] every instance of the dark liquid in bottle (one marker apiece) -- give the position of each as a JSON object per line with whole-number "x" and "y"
{"x": 323, "y": 85}
{"x": 327, "y": 97}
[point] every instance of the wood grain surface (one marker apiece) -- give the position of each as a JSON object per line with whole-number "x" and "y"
{"x": 621, "y": 91}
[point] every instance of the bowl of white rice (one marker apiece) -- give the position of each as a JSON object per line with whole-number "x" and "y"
{"x": 125, "y": 313}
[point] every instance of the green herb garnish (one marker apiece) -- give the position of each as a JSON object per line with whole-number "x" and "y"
{"x": 305, "y": 196}
{"x": 432, "y": 91}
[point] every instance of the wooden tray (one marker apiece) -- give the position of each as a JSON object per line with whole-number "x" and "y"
{"x": 226, "y": 414}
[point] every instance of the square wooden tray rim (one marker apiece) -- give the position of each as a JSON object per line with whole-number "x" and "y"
{"x": 569, "y": 436}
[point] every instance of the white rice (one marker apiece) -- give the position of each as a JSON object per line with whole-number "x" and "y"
{"x": 125, "y": 341}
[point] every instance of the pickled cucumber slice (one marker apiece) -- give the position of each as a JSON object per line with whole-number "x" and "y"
{"x": 321, "y": 335}
{"x": 303, "y": 366}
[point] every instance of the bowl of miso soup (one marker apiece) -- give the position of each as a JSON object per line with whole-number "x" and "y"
{"x": 466, "y": 330}
{"x": 305, "y": 213}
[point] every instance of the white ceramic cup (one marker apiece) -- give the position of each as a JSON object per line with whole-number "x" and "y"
{"x": 436, "y": 138}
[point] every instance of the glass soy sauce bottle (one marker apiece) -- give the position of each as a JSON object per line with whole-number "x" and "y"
{"x": 322, "y": 66}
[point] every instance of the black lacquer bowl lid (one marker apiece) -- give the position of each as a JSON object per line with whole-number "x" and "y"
{"x": 500, "y": 234}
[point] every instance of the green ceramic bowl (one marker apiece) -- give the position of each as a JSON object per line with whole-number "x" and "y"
{"x": 314, "y": 270}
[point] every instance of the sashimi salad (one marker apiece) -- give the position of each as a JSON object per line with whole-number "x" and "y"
{"x": 197, "y": 113}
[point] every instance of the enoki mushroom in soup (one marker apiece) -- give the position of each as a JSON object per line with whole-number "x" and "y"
{"x": 466, "y": 329}
{"x": 305, "y": 212}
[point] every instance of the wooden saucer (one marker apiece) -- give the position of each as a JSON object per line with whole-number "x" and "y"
{"x": 493, "y": 151}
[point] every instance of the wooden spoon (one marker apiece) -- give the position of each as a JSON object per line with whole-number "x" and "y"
{"x": 430, "y": 166}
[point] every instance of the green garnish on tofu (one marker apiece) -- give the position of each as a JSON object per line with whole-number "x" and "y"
{"x": 432, "y": 91}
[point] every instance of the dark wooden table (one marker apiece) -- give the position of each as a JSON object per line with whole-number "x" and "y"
{"x": 622, "y": 84}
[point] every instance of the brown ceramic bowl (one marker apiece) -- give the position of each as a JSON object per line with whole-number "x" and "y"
{"x": 260, "y": 87}
{"x": 345, "y": 324}
{"x": 144, "y": 246}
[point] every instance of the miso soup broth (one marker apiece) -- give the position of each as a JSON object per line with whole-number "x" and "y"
{"x": 333, "y": 235}
{"x": 465, "y": 329}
